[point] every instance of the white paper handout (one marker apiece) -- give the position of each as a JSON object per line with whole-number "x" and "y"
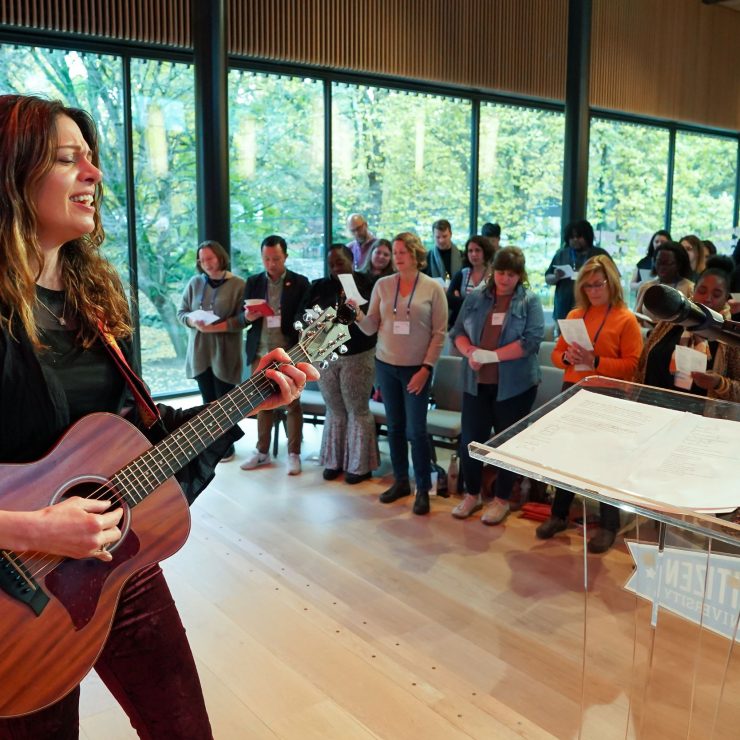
{"x": 484, "y": 356}
{"x": 574, "y": 332}
{"x": 207, "y": 316}
{"x": 688, "y": 360}
{"x": 646, "y": 274}
{"x": 349, "y": 286}
{"x": 613, "y": 445}
{"x": 567, "y": 269}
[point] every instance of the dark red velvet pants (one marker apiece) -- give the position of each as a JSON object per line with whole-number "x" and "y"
{"x": 147, "y": 665}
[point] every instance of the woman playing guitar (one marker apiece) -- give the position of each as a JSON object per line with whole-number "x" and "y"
{"x": 63, "y": 321}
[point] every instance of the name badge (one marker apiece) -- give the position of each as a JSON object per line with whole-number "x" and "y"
{"x": 402, "y": 327}
{"x": 497, "y": 319}
{"x": 273, "y": 322}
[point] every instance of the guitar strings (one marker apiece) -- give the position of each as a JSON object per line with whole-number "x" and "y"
{"x": 44, "y": 560}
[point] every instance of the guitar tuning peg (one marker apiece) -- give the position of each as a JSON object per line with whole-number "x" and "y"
{"x": 317, "y": 309}
{"x": 309, "y": 315}
{"x": 334, "y": 357}
{"x": 298, "y": 326}
{"x": 324, "y": 364}
{"x": 343, "y": 349}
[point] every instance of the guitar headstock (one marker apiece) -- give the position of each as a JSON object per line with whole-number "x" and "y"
{"x": 326, "y": 332}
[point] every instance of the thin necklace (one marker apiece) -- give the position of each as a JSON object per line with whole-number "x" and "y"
{"x": 60, "y": 319}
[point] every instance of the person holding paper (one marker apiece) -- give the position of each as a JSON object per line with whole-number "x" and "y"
{"x": 615, "y": 342}
{"x": 672, "y": 352}
{"x": 672, "y": 267}
{"x": 211, "y": 309}
{"x": 644, "y": 268}
{"x": 284, "y": 292}
{"x": 499, "y": 331}
{"x": 409, "y": 313}
{"x": 349, "y": 442}
{"x": 567, "y": 261}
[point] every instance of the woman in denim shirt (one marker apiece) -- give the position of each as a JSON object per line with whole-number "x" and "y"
{"x": 506, "y": 322}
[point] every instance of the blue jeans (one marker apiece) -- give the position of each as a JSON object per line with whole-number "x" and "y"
{"x": 406, "y": 414}
{"x": 479, "y": 414}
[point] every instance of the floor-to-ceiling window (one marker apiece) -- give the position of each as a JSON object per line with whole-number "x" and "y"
{"x": 401, "y": 159}
{"x": 276, "y": 169}
{"x": 704, "y": 188}
{"x": 627, "y": 181}
{"x": 521, "y": 182}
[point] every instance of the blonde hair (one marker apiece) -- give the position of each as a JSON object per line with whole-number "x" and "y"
{"x": 600, "y": 263}
{"x": 28, "y": 144}
{"x": 414, "y": 246}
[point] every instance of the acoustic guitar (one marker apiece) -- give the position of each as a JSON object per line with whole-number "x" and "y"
{"x": 55, "y": 613}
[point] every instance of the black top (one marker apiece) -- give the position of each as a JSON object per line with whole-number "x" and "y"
{"x": 657, "y": 368}
{"x": 328, "y": 291}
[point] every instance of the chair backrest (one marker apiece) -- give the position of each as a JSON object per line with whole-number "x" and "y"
{"x": 447, "y": 388}
{"x": 545, "y": 351}
{"x": 549, "y": 387}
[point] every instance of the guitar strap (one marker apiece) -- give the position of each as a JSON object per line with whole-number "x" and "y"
{"x": 148, "y": 410}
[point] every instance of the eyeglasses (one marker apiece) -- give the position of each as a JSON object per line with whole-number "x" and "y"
{"x": 594, "y": 286}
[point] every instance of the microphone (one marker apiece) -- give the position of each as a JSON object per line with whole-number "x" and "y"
{"x": 669, "y": 304}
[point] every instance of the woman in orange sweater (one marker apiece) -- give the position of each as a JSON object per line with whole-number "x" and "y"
{"x": 617, "y": 344}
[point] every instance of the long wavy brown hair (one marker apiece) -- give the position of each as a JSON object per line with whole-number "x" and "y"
{"x": 28, "y": 151}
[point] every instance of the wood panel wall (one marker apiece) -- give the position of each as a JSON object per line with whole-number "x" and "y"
{"x": 672, "y": 59}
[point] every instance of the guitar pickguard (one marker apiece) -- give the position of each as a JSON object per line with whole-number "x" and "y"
{"x": 77, "y": 584}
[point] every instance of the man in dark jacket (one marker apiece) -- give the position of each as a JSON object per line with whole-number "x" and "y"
{"x": 275, "y": 299}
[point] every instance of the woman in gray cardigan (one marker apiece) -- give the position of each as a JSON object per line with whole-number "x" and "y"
{"x": 211, "y": 308}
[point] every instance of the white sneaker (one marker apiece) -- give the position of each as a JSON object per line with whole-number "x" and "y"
{"x": 496, "y": 512}
{"x": 294, "y": 464}
{"x": 469, "y": 505}
{"x": 256, "y": 459}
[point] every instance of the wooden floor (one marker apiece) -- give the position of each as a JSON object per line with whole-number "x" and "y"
{"x": 316, "y": 612}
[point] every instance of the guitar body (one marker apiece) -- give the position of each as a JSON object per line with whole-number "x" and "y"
{"x": 44, "y": 656}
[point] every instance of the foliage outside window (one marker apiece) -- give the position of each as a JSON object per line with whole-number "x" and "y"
{"x": 521, "y": 182}
{"x": 704, "y": 188}
{"x": 276, "y": 169}
{"x": 400, "y": 159}
{"x": 627, "y": 180}
{"x": 163, "y": 117}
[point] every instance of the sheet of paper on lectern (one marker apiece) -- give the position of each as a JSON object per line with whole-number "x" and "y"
{"x": 612, "y": 444}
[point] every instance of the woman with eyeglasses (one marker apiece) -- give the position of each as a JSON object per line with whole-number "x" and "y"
{"x": 617, "y": 342}
{"x": 672, "y": 268}
{"x": 211, "y": 309}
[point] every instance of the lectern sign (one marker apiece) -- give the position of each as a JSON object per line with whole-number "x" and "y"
{"x": 678, "y": 580}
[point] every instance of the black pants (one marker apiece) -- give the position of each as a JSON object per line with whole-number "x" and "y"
{"x": 212, "y": 388}
{"x": 480, "y": 414}
{"x": 609, "y": 515}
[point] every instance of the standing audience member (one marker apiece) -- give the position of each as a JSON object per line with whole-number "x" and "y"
{"x": 580, "y": 238}
{"x": 362, "y": 239}
{"x": 617, "y": 341}
{"x": 478, "y": 257}
{"x": 445, "y": 259}
{"x": 64, "y": 319}
{"x": 284, "y": 292}
{"x": 214, "y": 355}
{"x": 492, "y": 232}
{"x": 380, "y": 262}
{"x": 646, "y": 266}
{"x": 697, "y": 256}
{"x": 657, "y": 365}
{"x": 672, "y": 268}
{"x": 506, "y": 320}
{"x": 409, "y": 313}
{"x": 349, "y": 442}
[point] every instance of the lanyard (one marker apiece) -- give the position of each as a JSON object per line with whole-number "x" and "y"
{"x": 411, "y": 297}
{"x": 601, "y": 326}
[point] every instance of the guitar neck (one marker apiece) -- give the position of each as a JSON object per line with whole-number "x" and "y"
{"x": 147, "y": 472}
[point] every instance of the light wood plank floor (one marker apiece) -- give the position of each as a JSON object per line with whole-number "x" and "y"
{"x": 316, "y": 612}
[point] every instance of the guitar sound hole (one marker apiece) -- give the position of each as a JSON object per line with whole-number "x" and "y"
{"x": 98, "y": 488}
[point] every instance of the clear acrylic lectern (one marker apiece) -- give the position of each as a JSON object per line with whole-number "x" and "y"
{"x": 648, "y": 635}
